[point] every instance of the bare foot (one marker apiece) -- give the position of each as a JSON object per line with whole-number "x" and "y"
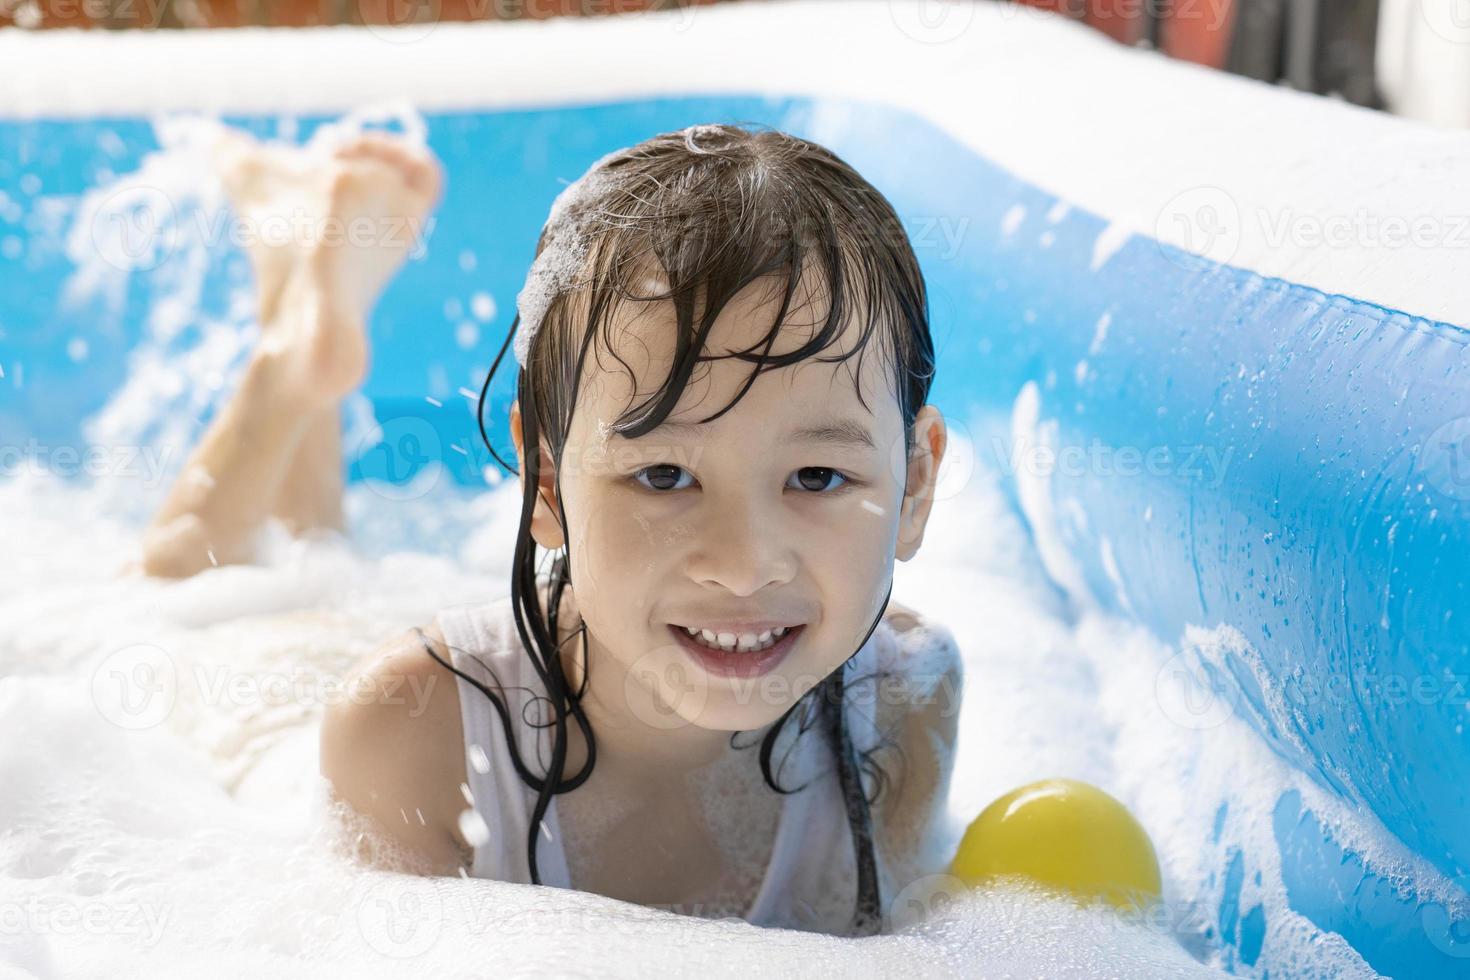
{"x": 325, "y": 232}
{"x": 381, "y": 191}
{"x": 274, "y": 190}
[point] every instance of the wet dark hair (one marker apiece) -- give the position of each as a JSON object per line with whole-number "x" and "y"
{"x": 712, "y": 209}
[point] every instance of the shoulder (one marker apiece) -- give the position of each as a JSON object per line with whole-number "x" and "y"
{"x": 913, "y": 703}
{"x": 920, "y": 673}
{"x": 392, "y": 748}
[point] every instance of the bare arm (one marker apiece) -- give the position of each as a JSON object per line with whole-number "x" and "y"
{"x": 393, "y": 752}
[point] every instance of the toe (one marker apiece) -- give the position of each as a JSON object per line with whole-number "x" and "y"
{"x": 374, "y": 145}
{"x": 417, "y": 164}
{"x": 235, "y": 157}
{"x": 425, "y": 176}
{"x": 232, "y": 144}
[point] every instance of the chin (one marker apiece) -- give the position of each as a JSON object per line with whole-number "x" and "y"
{"x": 720, "y": 715}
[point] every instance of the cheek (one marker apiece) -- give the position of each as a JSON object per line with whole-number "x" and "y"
{"x": 857, "y": 540}
{"x": 628, "y": 539}
{"x": 854, "y": 574}
{"x": 617, "y": 550}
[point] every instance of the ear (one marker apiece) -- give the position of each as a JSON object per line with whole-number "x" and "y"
{"x": 930, "y": 440}
{"x": 545, "y": 526}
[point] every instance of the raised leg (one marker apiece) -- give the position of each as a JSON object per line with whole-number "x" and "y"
{"x": 310, "y": 495}
{"x": 275, "y": 448}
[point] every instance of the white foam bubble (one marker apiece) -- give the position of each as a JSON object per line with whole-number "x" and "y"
{"x": 476, "y": 832}
{"x": 1012, "y": 219}
{"x": 482, "y": 305}
{"x": 562, "y": 260}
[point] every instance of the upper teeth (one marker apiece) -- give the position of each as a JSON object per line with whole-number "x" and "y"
{"x": 737, "y": 641}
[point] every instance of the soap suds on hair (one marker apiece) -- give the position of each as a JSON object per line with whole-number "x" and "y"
{"x": 569, "y": 229}
{"x": 556, "y": 268}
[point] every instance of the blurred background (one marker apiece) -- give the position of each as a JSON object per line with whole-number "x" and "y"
{"x": 1410, "y": 57}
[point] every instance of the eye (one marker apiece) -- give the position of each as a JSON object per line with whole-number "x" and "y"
{"x": 819, "y": 475}
{"x": 664, "y": 478}
{"x": 661, "y": 474}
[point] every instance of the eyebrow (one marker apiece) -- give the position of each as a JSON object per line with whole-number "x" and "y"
{"x": 827, "y": 431}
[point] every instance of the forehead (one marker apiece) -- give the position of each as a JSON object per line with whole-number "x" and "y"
{"x": 816, "y": 398}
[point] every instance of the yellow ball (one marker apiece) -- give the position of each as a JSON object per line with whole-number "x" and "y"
{"x": 1067, "y": 836}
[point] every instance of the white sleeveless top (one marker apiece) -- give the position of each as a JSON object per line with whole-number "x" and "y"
{"x": 811, "y": 880}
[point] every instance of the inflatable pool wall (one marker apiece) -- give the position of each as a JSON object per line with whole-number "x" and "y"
{"x": 1220, "y": 327}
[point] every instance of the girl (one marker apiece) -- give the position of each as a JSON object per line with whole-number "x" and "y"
{"x": 707, "y": 703}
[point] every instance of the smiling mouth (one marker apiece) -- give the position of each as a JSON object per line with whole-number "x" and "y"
{"x": 736, "y": 661}
{"x": 736, "y": 643}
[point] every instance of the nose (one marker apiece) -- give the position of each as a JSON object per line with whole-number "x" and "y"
{"x": 741, "y": 548}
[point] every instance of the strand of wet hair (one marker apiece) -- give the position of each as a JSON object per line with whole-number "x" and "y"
{"x": 867, "y": 918}
{"x": 536, "y": 635}
{"x": 830, "y": 698}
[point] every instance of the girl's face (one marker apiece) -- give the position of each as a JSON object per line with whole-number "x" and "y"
{"x": 790, "y": 509}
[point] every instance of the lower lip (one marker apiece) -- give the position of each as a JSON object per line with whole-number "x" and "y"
{"x": 738, "y": 663}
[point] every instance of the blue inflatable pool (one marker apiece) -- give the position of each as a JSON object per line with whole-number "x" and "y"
{"x": 1213, "y": 334}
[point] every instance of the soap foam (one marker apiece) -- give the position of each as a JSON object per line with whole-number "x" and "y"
{"x": 557, "y": 268}
{"x": 228, "y": 779}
